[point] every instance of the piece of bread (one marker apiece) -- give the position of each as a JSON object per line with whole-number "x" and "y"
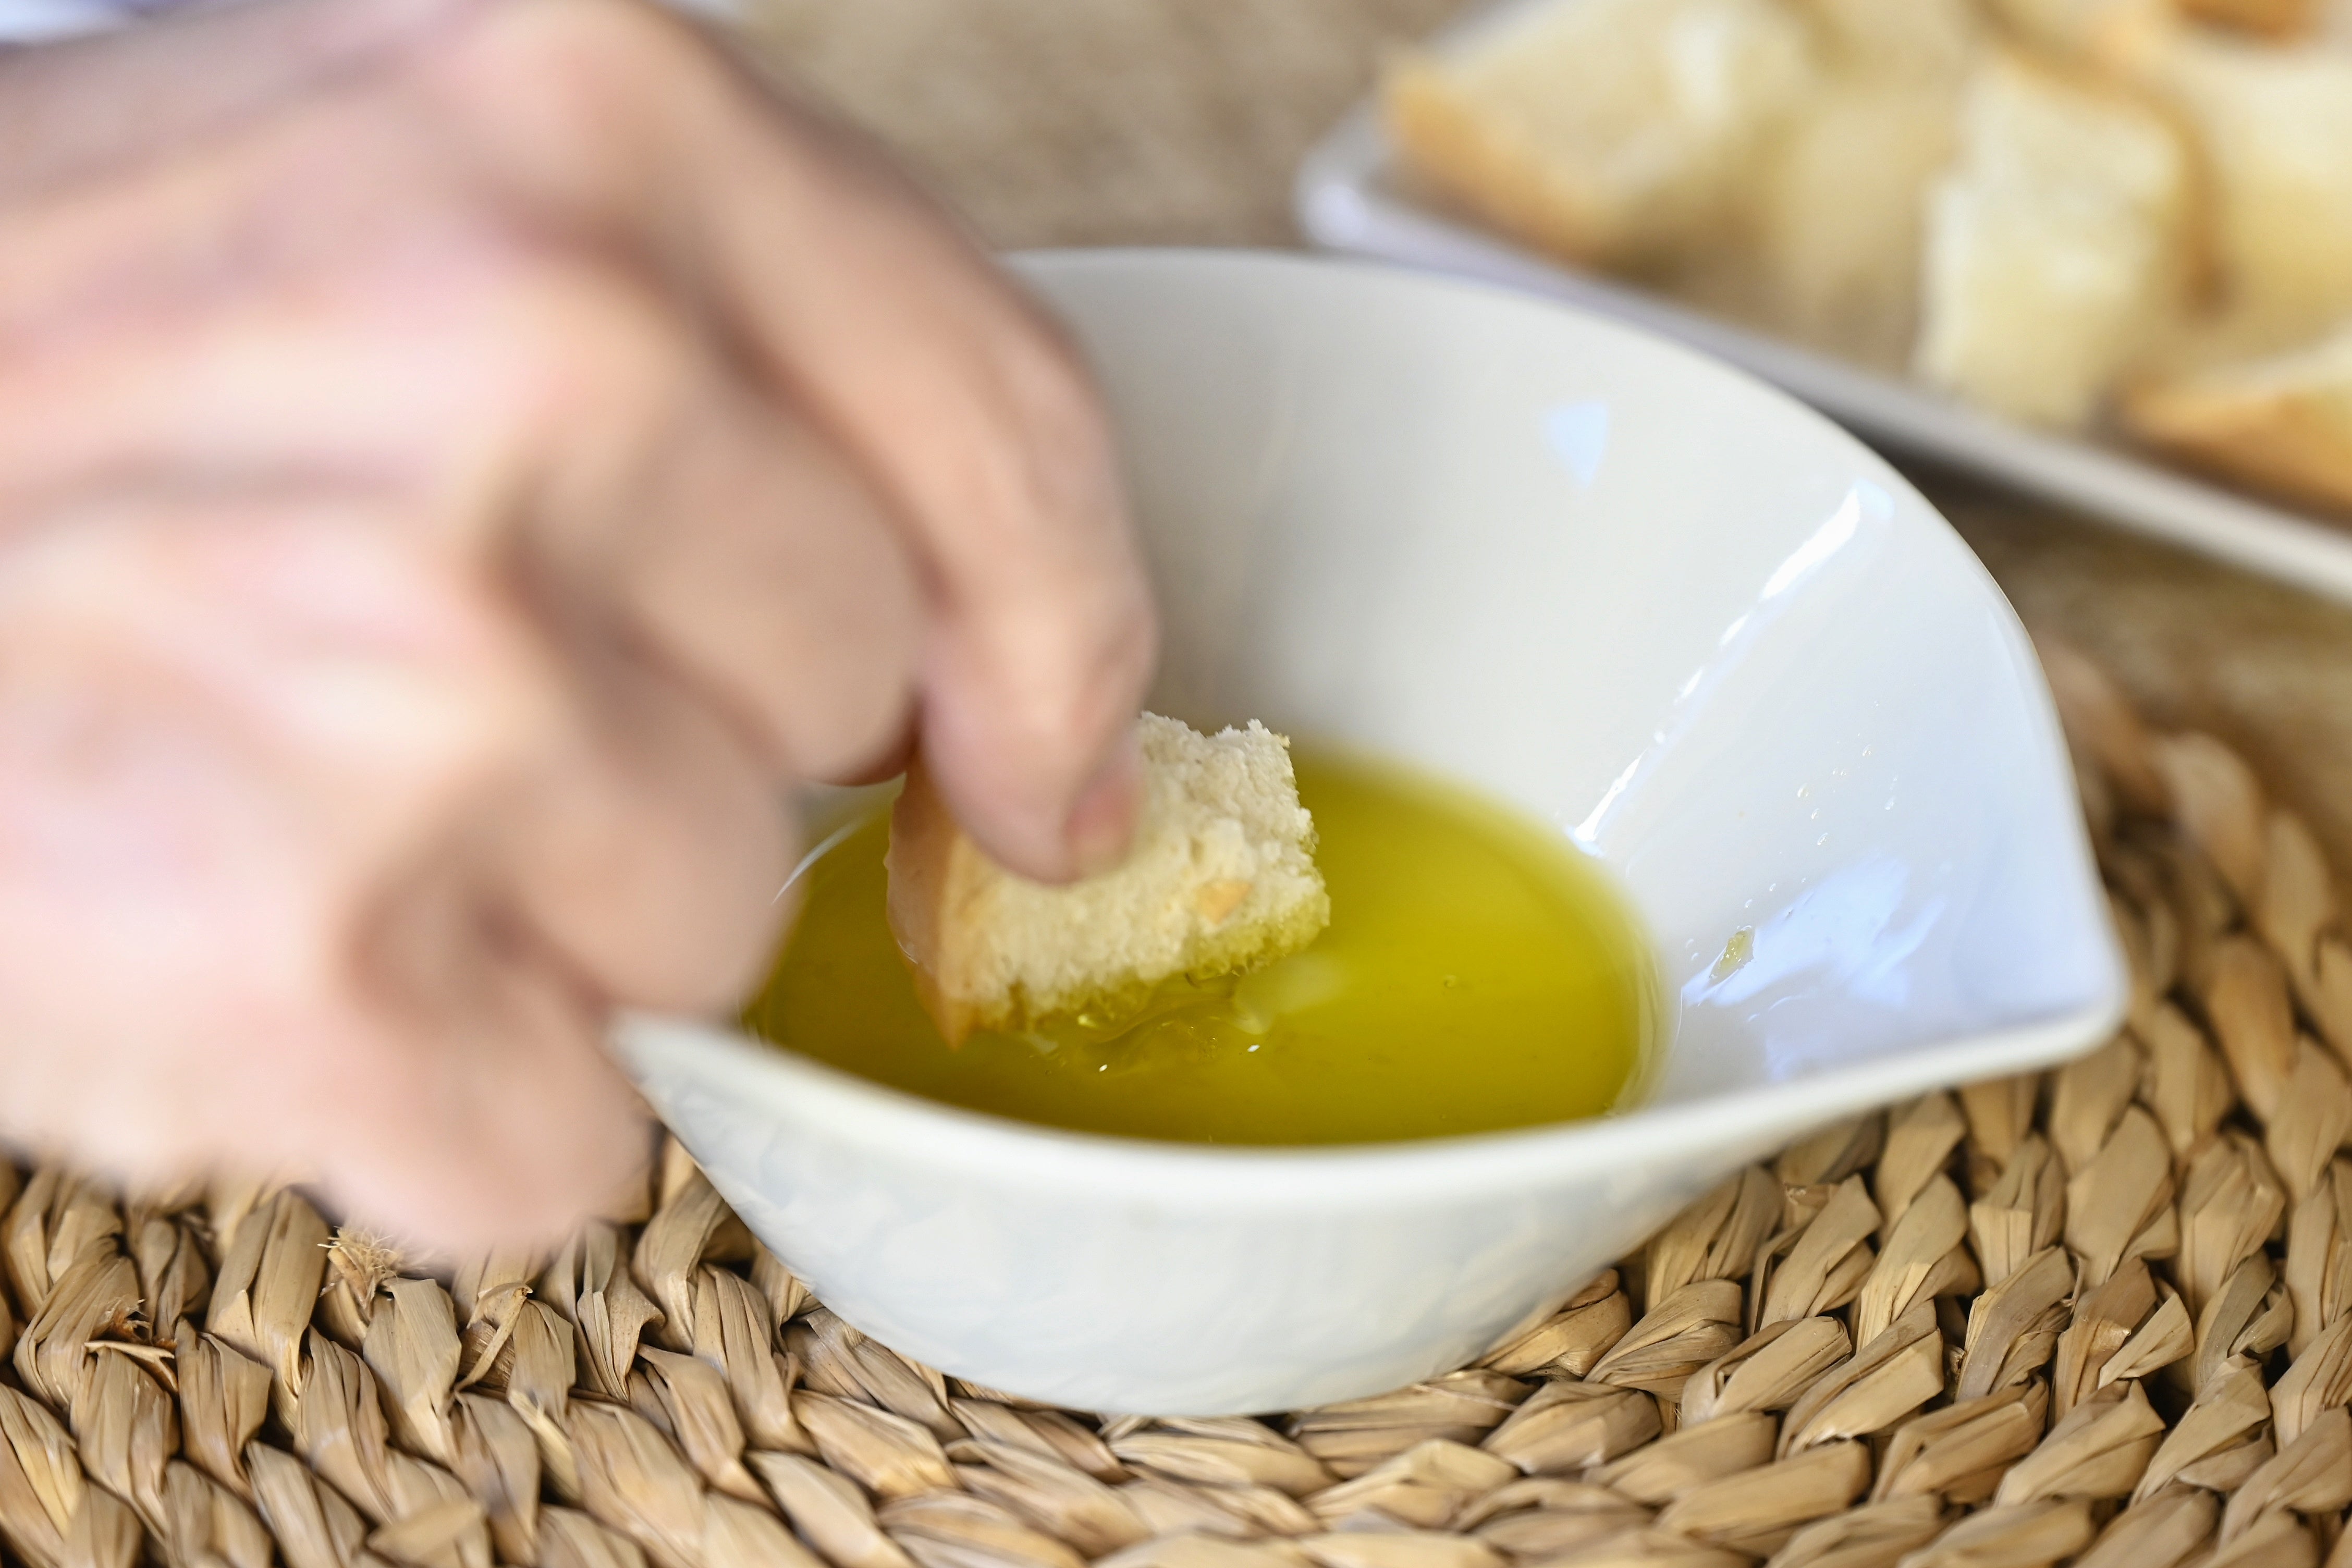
{"x": 2274, "y": 123}
{"x": 1221, "y": 878}
{"x": 1827, "y": 251}
{"x": 1917, "y": 41}
{"x": 1837, "y": 230}
{"x": 2277, "y": 19}
{"x": 2089, "y": 30}
{"x": 2282, "y": 424}
{"x": 1614, "y": 133}
{"x": 2055, "y": 246}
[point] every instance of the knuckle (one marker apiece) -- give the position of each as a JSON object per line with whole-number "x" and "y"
{"x": 1048, "y": 463}
{"x": 1058, "y": 711}
{"x": 556, "y": 343}
{"x": 458, "y": 690}
{"x": 1051, "y": 378}
{"x": 862, "y": 719}
{"x": 1088, "y": 681}
{"x": 1048, "y": 378}
{"x": 573, "y": 70}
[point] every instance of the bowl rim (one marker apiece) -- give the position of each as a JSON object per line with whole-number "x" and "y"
{"x": 1257, "y": 1177}
{"x": 1429, "y": 1170}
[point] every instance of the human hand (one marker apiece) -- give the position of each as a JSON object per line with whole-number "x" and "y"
{"x": 460, "y": 460}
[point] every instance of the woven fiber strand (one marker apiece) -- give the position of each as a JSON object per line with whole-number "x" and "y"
{"x": 2098, "y": 1315}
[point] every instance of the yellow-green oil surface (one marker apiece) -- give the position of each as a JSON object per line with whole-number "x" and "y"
{"x": 1478, "y": 974}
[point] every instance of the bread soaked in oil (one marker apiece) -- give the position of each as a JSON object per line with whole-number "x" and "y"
{"x": 1478, "y": 974}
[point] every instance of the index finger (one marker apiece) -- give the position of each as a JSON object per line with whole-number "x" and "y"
{"x": 954, "y": 392}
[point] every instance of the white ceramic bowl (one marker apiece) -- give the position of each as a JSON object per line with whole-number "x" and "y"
{"x": 1718, "y": 643}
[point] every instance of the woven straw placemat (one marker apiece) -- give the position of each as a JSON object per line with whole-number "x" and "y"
{"x": 2102, "y": 1314}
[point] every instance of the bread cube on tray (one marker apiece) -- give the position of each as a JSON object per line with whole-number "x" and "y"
{"x": 1613, "y": 131}
{"x": 2055, "y": 254}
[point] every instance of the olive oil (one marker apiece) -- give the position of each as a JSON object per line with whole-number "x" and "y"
{"x": 1478, "y": 974}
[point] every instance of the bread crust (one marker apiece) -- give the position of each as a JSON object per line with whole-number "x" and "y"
{"x": 932, "y": 870}
{"x": 2294, "y": 441}
{"x": 2279, "y": 20}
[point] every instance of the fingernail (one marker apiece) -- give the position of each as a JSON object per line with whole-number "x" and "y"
{"x": 1101, "y": 825}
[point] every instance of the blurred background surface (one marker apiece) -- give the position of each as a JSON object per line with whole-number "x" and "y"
{"x": 1180, "y": 123}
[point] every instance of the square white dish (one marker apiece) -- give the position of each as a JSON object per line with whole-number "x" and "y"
{"x": 1348, "y": 197}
